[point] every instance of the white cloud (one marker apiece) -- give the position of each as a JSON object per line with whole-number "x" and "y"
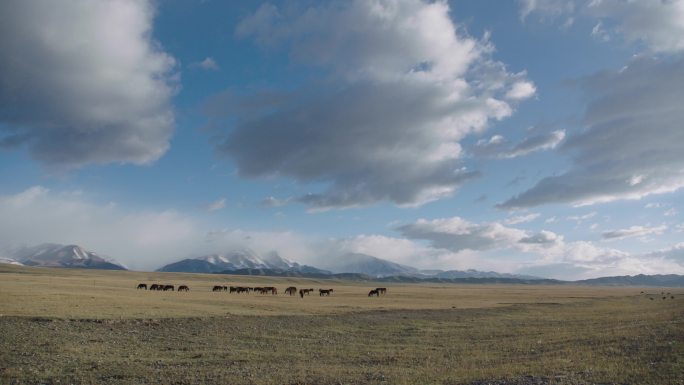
{"x": 208, "y": 64}
{"x": 671, "y": 212}
{"x": 631, "y": 147}
{"x": 458, "y": 234}
{"x": 546, "y": 8}
{"x": 543, "y": 237}
{"x": 521, "y": 90}
{"x": 581, "y": 218}
{"x": 217, "y": 205}
{"x": 521, "y": 219}
{"x": 396, "y": 95}
{"x": 634, "y": 231}
{"x": 657, "y": 24}
{"x": 496, "y": 146}
{"x": 274, "y": 202}
{"x": 83, "y": 82}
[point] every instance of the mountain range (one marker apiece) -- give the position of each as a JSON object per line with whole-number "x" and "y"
{"x": 70, "y": 256}
{"x": 350, "y": 266}
{"x": 237, "y": 260}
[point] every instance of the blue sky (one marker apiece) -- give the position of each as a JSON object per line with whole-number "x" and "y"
{"x": 538, "y": 137}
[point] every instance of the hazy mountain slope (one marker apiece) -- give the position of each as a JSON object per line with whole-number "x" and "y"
{"x": 69, "y": 256}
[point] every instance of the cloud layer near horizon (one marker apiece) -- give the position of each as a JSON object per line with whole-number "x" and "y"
{"x": 146, "y": 240}
{"x": 83, "y": 82}
{"x": 384, "y": 120}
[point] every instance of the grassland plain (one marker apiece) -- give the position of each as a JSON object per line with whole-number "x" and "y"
{"x": 78, "y": 326}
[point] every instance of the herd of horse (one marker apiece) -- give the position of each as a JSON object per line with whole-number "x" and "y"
{"x": 158, "y": 287}
{"x": 292, "y": 290}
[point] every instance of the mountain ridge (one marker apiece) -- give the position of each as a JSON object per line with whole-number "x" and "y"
{"x": 66, "y": 256}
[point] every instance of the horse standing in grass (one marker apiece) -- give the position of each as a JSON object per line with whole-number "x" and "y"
{"x": 142, "y": 286}
{"x": 325, "y": 292}
{"x": 168, "y": 287}
{"x": 183, "y": 288}
{"x": 291, "y": 290}
{"x": 374, "y": 292}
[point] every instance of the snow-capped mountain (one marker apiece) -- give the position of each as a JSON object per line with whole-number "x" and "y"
{"x": 72, "y": 256}
{"x": 367, "y": 264}
{"x": 236, "y": 260}
{"x": 10, "y": 261}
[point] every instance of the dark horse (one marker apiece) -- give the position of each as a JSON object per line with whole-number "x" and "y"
{"x": 269, "y": 289}
{"x": 374, "y": 292}
{"x": 307, "y": 291}
{"x": 142, "y": 286}
{"x": 326, "y": 292}
{"x": 183, "y": 288}
{"x": 156, "y": 286}
{"x": 291, "y": 290}
{"x": 215, "y": 288}
{"x": 168, "y": 287}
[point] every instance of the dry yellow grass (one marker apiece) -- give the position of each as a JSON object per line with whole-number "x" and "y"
{"x": 66, "y": 293}
{"x": 94, "y": 327}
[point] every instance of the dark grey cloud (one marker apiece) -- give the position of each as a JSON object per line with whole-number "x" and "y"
{"x": 95, "y": 89}
{"x": 632, "y": 144}
{"x": 384, "y": 120}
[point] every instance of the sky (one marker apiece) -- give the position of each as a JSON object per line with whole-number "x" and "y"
{"x": 531, "y": 137}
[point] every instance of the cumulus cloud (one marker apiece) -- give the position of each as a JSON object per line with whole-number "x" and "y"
{"x": 83, "y": 82}
{"x": 458, "y": 234}
{"x": 542, "y": 237}
{"x": 657, "y": 24}
{"x": 383, "y": 122}
{"x": 631, "y": 145}
{"x": 497, "y": 147}
{"x": 634, "y": 231}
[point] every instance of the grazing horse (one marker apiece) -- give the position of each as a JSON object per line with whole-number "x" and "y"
{"x": 154, "y": 286}
{"x": 381, "y": 290}
{"x": 326, "y": 292}
{"x": 183, "y": 288}
{"x": 168, "y": 287}
{"x": 291, "y": 290}
{"x": 142, "y": 286}
{"x": 374, "y": 292}
{"x": 269, "y": 289}
{"x": 308, "y": 291}
{"x": 215, "y": 288}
